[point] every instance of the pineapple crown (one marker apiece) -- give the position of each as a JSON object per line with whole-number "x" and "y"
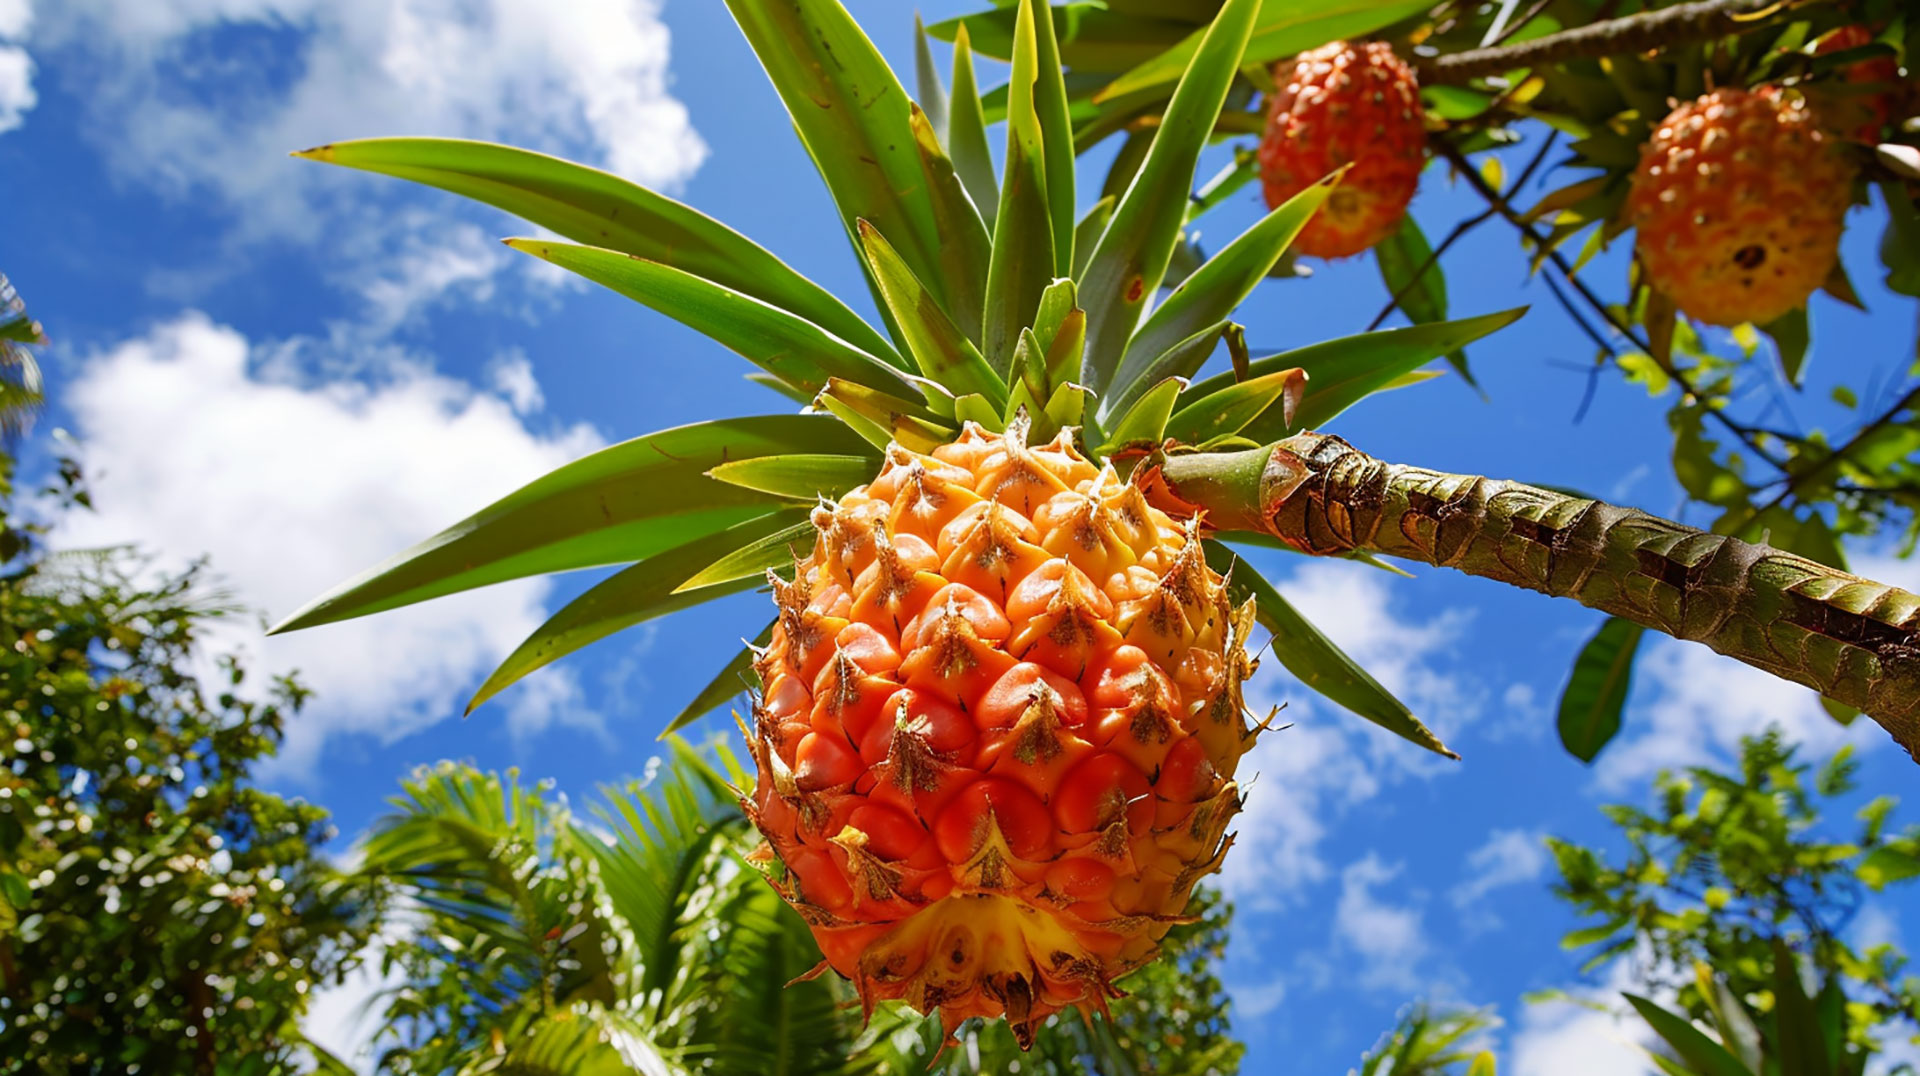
{"x": 1001, "y": 305}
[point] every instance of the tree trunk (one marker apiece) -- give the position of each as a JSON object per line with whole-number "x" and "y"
{"x": 1853, "y": 640}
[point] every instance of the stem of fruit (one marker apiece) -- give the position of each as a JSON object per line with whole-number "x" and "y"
{"x": 1853, "y": 640}
{"x": 1644, "y": 32}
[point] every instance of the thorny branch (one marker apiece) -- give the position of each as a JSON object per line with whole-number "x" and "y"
{"x": 1645, "y": 31}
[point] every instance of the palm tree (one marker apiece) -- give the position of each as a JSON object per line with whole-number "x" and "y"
{"x": 640, "y": 940}
{"x": 20, "y": 394}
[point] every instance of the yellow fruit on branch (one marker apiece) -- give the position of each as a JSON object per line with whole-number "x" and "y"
{"x": 1738, "y": 205}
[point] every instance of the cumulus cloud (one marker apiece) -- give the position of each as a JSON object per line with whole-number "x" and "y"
{"x": 197, "y": 443}
{"x": 203, "y": 99}
{"x": 1509, "y": 857}
{"x": 1389, "y": 939}
{"x": 17, "y": 96}
{"x": 1304, "y": 777}
{"x": 1591, "y": 1032}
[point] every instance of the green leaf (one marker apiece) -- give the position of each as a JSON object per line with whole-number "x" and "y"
{"x": 1181, "y": 361}
{"x": 642, "y": 592}
{"x": 1024, "y": 255}
{"x": 1801, "y": 1044}
{"x": 1094, "y": 37}
{"x": 1884, "y": 866}
{"x": 1229, "y": 410}
{"x": 1217, "y": 287}
{"x": 1144, "y": 425}
{"x": 1706, "y": 1056}
{"x": 1791, "y": 335}
{"x": 1482, "y": 1065}
{"x": 938, "y": 347}
{"x": 1418, "y": 283}
{"x": 1585, "y": 936}
{"x": 1597, "y": 691}
{"x": 1087, "y": 233}
{"x": 967, "y": 134}
{"x": 1131, "y": 256}
{"x": 789, "y": 347}
{"x": 1342, "y": 372}
{"x": 751, "y": 561}
{"x": 622, "y": 503}
{"x": 1900, "y": 245}
{"x": 800, "y": 476}
{"x": 1284, "y": 28}
{"x": 858, "y": 124}
{"x": 1314, "y": 659}
{"x": 597, "y": 209}
{"x": 1051, "y": 107}
{"x": 931, "y": 92}
{"x": 727, "y": 683}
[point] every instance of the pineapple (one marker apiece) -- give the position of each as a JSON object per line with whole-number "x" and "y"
{"x": 997, "y": 717}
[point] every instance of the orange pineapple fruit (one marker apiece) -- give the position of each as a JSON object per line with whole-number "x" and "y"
{"x": 1739, "y": 202}
{"x": 1000, "y": 721}
{"x": 1337, "y": 105}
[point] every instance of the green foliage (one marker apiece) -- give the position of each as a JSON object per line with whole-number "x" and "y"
{"x": 1733, "y": 872}
{"x": 1433, "y": 1042}
{"x": 158, "y": 913}
{"x": 537, "y": 941}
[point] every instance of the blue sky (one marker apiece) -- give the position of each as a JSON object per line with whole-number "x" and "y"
{"x": 298, "y": 370}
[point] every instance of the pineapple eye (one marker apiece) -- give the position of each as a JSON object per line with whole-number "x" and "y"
{"x": 1750, "y": 257}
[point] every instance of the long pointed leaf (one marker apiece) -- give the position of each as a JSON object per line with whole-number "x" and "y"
{"x": 1228, "y": 411}
{"x": 1131, "y": 257}
{"x": 1144, "y": 425}
{"x": 1597, "y": 691}
{"x": 938, "y": 347}
{"x": 1702, "y": 1054}
{"x": 856, "y": 119}
{"x": 1052, "y": 109}
{"x": 1216, "y": 288}
{"x": 967, "y": 136}
{"x": 636, "y": 594}
{"x": 728, "y": 682}
{"x": 1023, "y": 253}
{"x": 751, "y": 561}
{"x": 1314, "y": 659}
{"x": 802, "y": 476}
{"x": 598, "y": 209}
{"x": 931, "y": 92}
{"x": 628, "y": 501}
{"x": 795, "y": 350}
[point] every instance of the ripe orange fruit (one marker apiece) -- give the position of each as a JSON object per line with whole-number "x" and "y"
{"x": 1000, "y": 721}
{"x": 1861, "y": 116}
{"x": 1738, "y": 202}
{"x": 1345, "y": 104}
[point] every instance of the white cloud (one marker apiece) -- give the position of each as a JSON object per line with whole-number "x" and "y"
{"x": 17, "y": 96}
{"x": 194, "y": 447}
{"x": 511, "y": 375}
{"x": 1304, "y": 777}
{"x": 203, "y": 100}
{"x": 1509, "y": 857}
{"x": 1389, "y": 939}
{"x": 1592, "y": 1034}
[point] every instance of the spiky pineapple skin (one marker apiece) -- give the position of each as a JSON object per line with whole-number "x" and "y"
{"x": 1000, "y": 718}
{"x": 1345, "y": 104}
{"x": 1861, "y": 116}
{"x": 1738, "y": 205}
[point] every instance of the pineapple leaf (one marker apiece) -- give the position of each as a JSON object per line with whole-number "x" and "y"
{"x": 867, "y": 429}
{"x": 1087, "y": 233}
{"x": 625, "y": 502}
{"x": 931, "y": 91}
{"x": 767, "y": 380}
{"x": 1702, "y": 1054}
{"x": 593, "y": 207}
{"x": 967, "y": 134}
{"x": 856, "y": 120}
{"x": 631, "y": 596}
{"x": 1229, "y": 411}
{"x": 1131, "y": 256}
{"x": 1024, "y": 251}
{"x": 751, "y": 561}
{"x": 938, "y": 347}
{"x": 789, "y": 347}
{"x": 1313, "y": 658}
{"x": 729, "y": 682}
{"x": 1096, "y": 37}
{"x": 1342, "y": 372}
{"x": 887, "y": 415}
{"x": 1212, "y": 292}
{"x": 1285, "y": 28}
{"x": 801, "y": 476}
{"x": 1181, "y": 360}
{"x": 1052, "y": 108}
{"x": 976, "y": 409}
{"x": 1144, "y": 425}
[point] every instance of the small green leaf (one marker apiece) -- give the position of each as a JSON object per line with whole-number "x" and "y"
{"x": 730, "y": 681}
{"x": 1314, "y": 659}
{"x": 1791, "y": 335}
{"x": 752, "y": 561}
{"x": 932, "y": 93}
{"x": 1144, "y": 425}
{"x": 639, "y": 593}
{"x": 622, "y": 503}
{"x": 1417, "y": 282}
{"x": 800, "y": 476}
{"x": 597, "y": 209}
{"x": 967, "y": 134}
{"x": 1232, "y": 408}
{"x": 1884, "y": 866}
{"x": 789, "y": 347}
{"x": 1801, "y": 1043}
{"x": 1482, "y": 1065}
{"x": 1131, "y": 256}
{"x": 1597, "y": 690}
{"x": 1585, "y": 936}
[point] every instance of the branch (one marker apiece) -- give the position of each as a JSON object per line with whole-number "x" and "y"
{"x": 1853, "y": 640}
{"x": 1645, "y": 32}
